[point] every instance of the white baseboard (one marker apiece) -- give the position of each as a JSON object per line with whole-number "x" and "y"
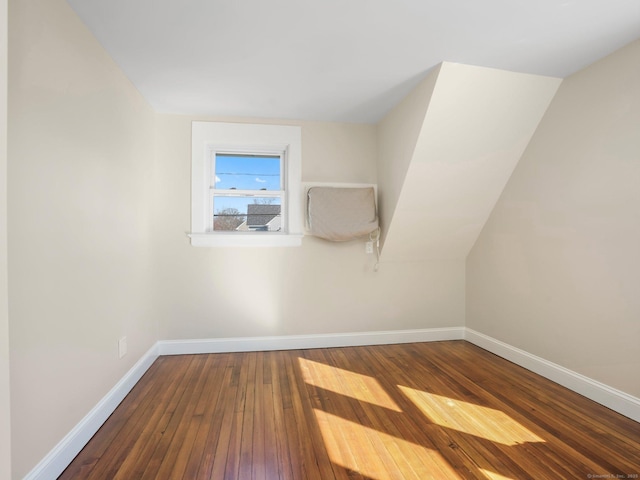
{"x": 616, "y": 400}
{"x": 294, "y": 342}
{"x": 51, "y": 466}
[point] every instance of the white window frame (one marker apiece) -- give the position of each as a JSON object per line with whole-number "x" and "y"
{"x": 209, "y": 138}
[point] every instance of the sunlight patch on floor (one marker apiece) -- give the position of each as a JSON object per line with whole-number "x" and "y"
{"x": 470, "y": 418}
{"x": 344, "y": 382}
{"x": 377, "y": 455}
{"x": 494, "y": 476}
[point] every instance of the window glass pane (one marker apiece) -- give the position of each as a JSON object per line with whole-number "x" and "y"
{"x": 247, "y": 172}
{"x": 247, "y": 214}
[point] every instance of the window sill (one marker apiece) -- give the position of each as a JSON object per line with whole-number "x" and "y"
{"x": 245, "y": 240}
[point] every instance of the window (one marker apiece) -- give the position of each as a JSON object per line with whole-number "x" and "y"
{"x": 247, "y": 192}
{"x": 245, "y": 185}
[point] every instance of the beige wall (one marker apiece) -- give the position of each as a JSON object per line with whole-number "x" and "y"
{"x": 5, "y": 412}
{"x": 477, "y": 124}
{"x": 556, "y": 270}
{"x": 320, "y": 287}
{"x": 98, "y": 211}
{"x": 80, "y": 162}
{"x": 99, "y": 207}
{"x": 397, "y": 136}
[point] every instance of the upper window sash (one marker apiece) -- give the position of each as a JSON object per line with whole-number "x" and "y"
{"x": 229, "y": 169}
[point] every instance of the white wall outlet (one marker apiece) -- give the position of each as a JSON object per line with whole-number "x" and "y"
{"x": 368, "y": 248}
{"x": 122, "y": 347}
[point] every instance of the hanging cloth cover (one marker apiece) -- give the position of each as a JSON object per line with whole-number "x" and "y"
{"x": 340, "y": 214}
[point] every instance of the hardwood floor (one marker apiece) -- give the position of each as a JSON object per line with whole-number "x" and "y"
{"x": 441, "y": 410}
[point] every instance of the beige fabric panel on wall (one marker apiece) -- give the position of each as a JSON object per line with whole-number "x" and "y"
{"x": 340, "y": 214}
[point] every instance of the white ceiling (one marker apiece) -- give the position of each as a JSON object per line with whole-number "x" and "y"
{"x": 339, "y": 60}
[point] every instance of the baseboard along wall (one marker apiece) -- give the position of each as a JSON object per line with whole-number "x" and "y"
{"x": 64, "y": 452}
{"x": 52, "y": 465}
{"x": 616, "y": 400}
{"x": 295, "y": 342}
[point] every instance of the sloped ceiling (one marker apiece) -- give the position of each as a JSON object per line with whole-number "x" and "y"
{"x": 475, "y": 127}
{"x": 336, "y": 60}
{"x": 450, "y": 134}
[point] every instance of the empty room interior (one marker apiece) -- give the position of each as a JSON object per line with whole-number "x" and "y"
{"x": 289, "y": 239}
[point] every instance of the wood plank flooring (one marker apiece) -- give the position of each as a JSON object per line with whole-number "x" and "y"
{"x": 443, "y": 410}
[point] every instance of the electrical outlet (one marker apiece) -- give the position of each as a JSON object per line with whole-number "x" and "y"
{"x": 122, "y": 347}
{"x": 368, "y": 248}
